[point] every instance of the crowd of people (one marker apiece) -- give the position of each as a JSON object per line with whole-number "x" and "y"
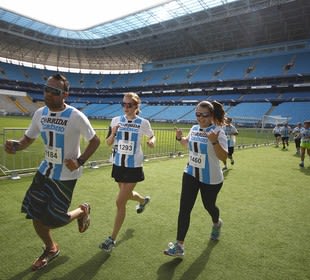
{"x": 210, "y": 143}
{"x": 300, "y": 134}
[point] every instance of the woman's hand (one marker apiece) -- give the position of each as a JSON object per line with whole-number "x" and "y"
{"x": 178, "y": 134}
{"x": 151, "y": 142}
{"x": 212, "y": 136}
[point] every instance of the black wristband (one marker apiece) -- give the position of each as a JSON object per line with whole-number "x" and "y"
{"x": 178, "y": 139}
{"x": 80, "y": 161}
{"x": 16, "y": 145}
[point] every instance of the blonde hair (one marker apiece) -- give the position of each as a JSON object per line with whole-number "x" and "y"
{"x": 135, "y": 98}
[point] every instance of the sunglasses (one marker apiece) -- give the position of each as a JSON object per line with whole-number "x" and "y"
{"x": 127, "y": 105}
{"x": 53, "y": 91}
{"x": 204, "y": 115}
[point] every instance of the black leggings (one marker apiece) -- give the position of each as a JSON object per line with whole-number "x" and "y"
{"x": 190, "y": 188}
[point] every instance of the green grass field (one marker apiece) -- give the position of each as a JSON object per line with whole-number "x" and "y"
{"x": 264, "y": 204}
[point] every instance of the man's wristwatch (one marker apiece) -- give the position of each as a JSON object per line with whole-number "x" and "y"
{"x": 81, "y": 161}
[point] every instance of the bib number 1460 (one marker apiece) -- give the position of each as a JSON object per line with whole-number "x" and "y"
{"x": 197, "y": 159}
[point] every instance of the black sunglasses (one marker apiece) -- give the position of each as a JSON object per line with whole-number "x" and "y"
{"x": 205, "y": 115}
{"x": 129, "y": 105}
{"x": 53, "y": 91}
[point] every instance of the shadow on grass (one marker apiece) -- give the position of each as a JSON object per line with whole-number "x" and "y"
{"x": 305, "y": 170}
{"x": 226, "y": 172}
{"x": 166, "y": 270}
{"x": 37, "y": 274}
{"x": 199, "y": 264}
{"x": 89, "y": 269}
{"x": 85, "y": 271}
{"x": 126, "y": 236}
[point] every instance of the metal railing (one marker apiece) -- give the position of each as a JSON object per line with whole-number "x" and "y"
{"x": 28, "y": 160}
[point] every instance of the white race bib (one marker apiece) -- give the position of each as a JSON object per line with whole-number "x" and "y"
{"x": 53, "y": 155}
{"x": 197, "y": 160}
{"x": 126, "y": 147}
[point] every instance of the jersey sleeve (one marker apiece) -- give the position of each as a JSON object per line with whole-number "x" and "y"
{"x": 87, "y": 131}
{"x": 222, "y": 138}
{"x": 146, "y": 128}
{"x": 33, "y": 131}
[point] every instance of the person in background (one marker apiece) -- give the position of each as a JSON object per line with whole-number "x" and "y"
{"x": 305, "y": 142}
{"x": 297, "y": 137}
{"x": 49, "y": 196}
{"x": 126, "y": 133}
{"x": 277, "y": 134}
{"x": 231, "y": 133}
{"x": 207, "y": 145}
{"x": 285, "y": 135}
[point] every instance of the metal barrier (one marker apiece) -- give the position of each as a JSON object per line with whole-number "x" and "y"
{"x": 28, "y": 160}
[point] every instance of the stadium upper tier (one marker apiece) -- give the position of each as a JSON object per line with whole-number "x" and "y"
{"x": 294, "y": 64}
{"x": 275, "y": 83}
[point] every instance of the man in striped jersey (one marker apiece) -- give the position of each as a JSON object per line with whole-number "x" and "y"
{"x": 125, "y": 134}
{"x": 49, "y": 196}
{"x": 207, "y": 144}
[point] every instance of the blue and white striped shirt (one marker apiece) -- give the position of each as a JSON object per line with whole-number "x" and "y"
{"x": 61, "y": 133}
{"x": 128, "y": 151}
{"x": 203, "y": 163}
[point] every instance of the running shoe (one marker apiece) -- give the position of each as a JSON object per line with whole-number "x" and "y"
{"x": 84, "y": 220}
{"x": 45, "y": 258}
{"x": 301, "y": 164}
{"x": 174, "y": 250}
{"x": 216, "y": 230}
{"x": 140, "y": 207}
{"x": 108, "y": 244}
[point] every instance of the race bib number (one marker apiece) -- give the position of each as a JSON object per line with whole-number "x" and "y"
{"x": 126, "y": 147}
{"x": 197, "y": 160}
{"x": 53, "y": 155}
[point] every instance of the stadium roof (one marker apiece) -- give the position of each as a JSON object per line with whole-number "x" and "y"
{"x": 82, "y": 14}
{"x": 172, "y": 30}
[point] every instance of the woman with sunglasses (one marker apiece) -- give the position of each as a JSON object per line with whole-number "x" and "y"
{"x": 126, "y": 133}
{"x": 207, "y": 144}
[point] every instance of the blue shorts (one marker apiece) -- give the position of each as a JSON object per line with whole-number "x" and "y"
{"x": 48, "y": 201}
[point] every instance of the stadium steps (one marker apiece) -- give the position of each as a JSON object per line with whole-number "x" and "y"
{"x": 17, "y": 104}
{"x": 10, "y": 105}
{"x": 270, "y": 111}
{"x": 21, "y": 107}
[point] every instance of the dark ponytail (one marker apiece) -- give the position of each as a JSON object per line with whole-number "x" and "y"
{"x": 218, "y": 113}
{"x": 216, "y": 109}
